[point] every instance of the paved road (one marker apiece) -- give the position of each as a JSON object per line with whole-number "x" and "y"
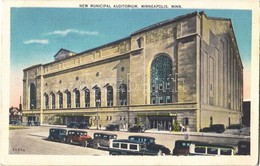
{"x": 33, "y": 141}
{"x": 23, "y": 143}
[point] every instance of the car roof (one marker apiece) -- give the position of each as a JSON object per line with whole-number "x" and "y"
{"x": 77, "y": 131}
{"x": 58, "y": 129}
{"x": 128, "y": 141}
{"x": 190, "y": 141}
{"x": 106, "y": 134}
{"x": 139, "y": 136}
{"x": 213, "y": 145}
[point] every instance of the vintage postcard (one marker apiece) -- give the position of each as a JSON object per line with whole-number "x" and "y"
{"x": 129, "y": 83}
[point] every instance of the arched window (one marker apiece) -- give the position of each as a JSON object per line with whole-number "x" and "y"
{"x": 109, "y": 95}
{"x": 77, "y": 98}
{"x": 46, "y": 97}
{"x": 53, "y": 101}
{"x": 68, "y": 99}
{"x": 97, "y": 96}
{"x": 161, "y": 80}
{"x": 87, "y": 98}
{"x": 123, "y": 94}
{"x": 60, "y": 99}
{"x": 32, "y": 96}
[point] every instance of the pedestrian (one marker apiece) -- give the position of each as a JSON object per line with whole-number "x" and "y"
{"x": 182, "y": 128}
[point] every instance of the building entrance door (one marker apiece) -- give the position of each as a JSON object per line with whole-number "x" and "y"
{"x": 31, "y": 119}
{"x": 161, "y": 122}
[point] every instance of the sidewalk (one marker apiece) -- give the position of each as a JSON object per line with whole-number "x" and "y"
{"x": 158, "y": 132}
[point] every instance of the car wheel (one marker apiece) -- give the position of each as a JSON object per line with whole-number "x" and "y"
{"x": 63, "y": 140}
{"x": 84, "y": 143}
{"x": 69, "y": 141}
{"x": 95, "y": 146}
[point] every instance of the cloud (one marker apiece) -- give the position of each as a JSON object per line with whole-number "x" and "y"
{"x": 69, "y": 31}
{"x": 36, "y": 41}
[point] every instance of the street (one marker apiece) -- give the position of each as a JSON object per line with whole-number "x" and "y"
{"x": 33, "y": 140}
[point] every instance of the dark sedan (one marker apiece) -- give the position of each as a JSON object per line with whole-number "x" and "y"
{"x": 73, "y": 125}
{"x": 57, "y": 134}
{"x": 138, "y": 129}
{"x": 112, "y": 127}
{"x": 83, "y": 125}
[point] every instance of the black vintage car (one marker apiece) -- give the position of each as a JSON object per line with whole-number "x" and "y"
{"x": 83, "y": 125}
{"x": 214, "y": 128}
{"x": 150, "y": 144}
{"x": 15, "y": 122}
{"x": 181, "y": 147}
{"x": 138, "y": 129}
{"x": 73, "y": 125}
{"x": 243, "y": 148}
{"x": 57, "y": 134}
{"x": 33, "y": 123}
{"x": 112, "y": 127}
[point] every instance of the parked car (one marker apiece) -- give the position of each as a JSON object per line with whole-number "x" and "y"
{"x": 57, "y": 134}
{"x": 112, "y": 127}
{"x": 181, "y": 147}
{"x": 145, "y": 139}
{"x": 79, "y": 137}
{"x": 243, "y": 148}
{"x": 139, "y": 129}
{"x": 214, "y": 128}
{"x": 206, "y": 149}
{"x": 150, "y": 144}
{"x": 234, "y": 129}
{"x": 102, "y": 140}
{"x": 131, "y": 147}
{"x": 83, "y": 125}
{"x": 15, "y": 122}
{"x": 33, "y": 123}
{"x": 73, "y": 125}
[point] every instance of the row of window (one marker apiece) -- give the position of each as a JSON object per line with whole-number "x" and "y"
{"x": 86, "y": 91}
{"x": 162, "y": 89}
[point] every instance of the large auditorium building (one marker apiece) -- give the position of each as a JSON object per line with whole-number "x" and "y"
{"x": 187, "y": 70}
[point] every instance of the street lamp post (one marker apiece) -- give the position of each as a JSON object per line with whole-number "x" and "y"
{"x": 98, "y": 102}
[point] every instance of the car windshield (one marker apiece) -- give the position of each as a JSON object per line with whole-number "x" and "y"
{"x": 182, "y": 144}
{"x": 234, "y": 127}
{"x": 63, "y": 132}
{"x": 84, "y": 133}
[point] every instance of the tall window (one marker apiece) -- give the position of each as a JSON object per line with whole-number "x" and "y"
{"x": 32, "y": 96}
{"x": 60, "y": 99}
{"x": 77, "y": 98}
{"x": 98, "y": 97}
{"x": 68, "y": 99}
{"x": 46, "y": 101}
{"x": 123, "y": 94}
{"x": 109, "y": 95}
{"x": 161, "y": 80}
{"x": 87, "y": 98}
{"x": 53, "y": 101}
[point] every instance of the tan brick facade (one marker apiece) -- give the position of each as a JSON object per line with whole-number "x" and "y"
{"x": 201, "y": 80}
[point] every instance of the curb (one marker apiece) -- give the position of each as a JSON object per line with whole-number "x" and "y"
{"x": 168, "y": 132}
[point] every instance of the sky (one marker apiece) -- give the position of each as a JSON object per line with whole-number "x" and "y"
{"x": 37, "y": 34}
